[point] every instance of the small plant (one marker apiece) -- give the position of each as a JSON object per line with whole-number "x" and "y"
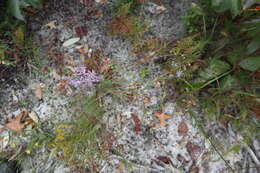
{"x": 198, "y": 16}
{"x": 118, "y": 7}
{"x": 186, "y": 58}
{"x": 125, "y": 23}
{"x": 82, "y": 77}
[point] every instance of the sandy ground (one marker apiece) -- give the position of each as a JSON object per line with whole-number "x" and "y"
{"x": 151, "y": 149}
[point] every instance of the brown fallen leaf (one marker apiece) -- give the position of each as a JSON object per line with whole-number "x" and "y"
{"x": 16, "y": 123}
{"x": 61, "y": 86}
{"x": 158, "y": 2}
{"x": 205, "y": 155}
{"x": 182, "y": 129}
{"x": 164, "y": 159}
{"x": 147, "y": 99}
{"x": 130, "y": 97}
{"x": 38, "y": 90}
{"x": 137, "y": 122}
{"x": 81, "y": 31}
{"x": 162, "y": 117}
{"x": 104, "y": 65}
{"x": 97, "y": 13}
{"x": 256, "y": 110}
{"x": 193, "y": 150}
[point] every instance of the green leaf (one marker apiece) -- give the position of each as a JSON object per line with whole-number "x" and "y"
{"x": 234, "y": 149}
{"x": 34, "y": 3}
{"x": 235, "y": 6}
{"x": 249, "y": 3}
{"x": 243, "y": 77}
{"x": 251, "y": 64}
{"x": 19, "y": 36}
{"x": 2, "y": 52}
{"x": 14, "y": 9}
{"x": 216, "y": 67}
{"x": 253, "y": 45}
{"x": 228, "y": 81}
{"x": 234, "y": 56}
{"x": 220, "y": 5}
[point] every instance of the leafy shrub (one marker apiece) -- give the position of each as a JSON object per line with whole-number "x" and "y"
{"x": 15, "y": 45}
{"x": 14, "y": 7}
{"x": 220, "y": 64}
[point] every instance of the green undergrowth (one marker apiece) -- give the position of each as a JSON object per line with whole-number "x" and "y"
{"x": 16, "y": 45}
{"x": 216, "y": 66}
{"x": 84, "y": 141}
{"x": 80, "y": 142}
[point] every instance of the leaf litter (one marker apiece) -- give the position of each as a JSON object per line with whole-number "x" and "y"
{"x": 17, "y": 124}
{"x": 162, "y": 117}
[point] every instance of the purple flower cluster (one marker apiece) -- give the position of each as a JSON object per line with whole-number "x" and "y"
{"x": 83, "y": 77}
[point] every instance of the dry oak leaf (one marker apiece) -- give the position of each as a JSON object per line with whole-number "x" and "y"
{"x": 162, "y": 117}
{"x": 81, "y": 31}
{"x": 164, "y": 159}
{"x": 16, "y": 123}
{"x": 182, "y": 129}
{"x": 193, "y": 150}
{"x": 137, "y": 127}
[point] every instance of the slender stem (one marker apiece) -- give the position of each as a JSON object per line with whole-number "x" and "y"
{"x": 204, "y": 27}
{"x": 198, "y": 124}
{"x": 213, "y": 80}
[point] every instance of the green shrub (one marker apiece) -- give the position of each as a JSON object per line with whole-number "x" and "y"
{"x": 220, "y": 64}
{"x": 15, "y": 44}
{"x": 14, "y": 7}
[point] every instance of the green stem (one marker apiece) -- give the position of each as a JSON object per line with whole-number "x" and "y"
{"x": 213, "y": 80}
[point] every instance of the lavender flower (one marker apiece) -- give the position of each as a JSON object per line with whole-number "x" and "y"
{"x": 83, "y": 77}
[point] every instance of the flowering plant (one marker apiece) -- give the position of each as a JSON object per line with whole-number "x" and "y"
{"x": 83, "y": 77}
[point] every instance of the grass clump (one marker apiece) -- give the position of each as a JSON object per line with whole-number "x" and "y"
{"x": 83, "y": 141}
{"x": 16, "y": 46}
{"x": 119, "y": 7}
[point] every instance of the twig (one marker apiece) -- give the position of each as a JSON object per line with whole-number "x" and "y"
{"x": 252, "y": 154}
